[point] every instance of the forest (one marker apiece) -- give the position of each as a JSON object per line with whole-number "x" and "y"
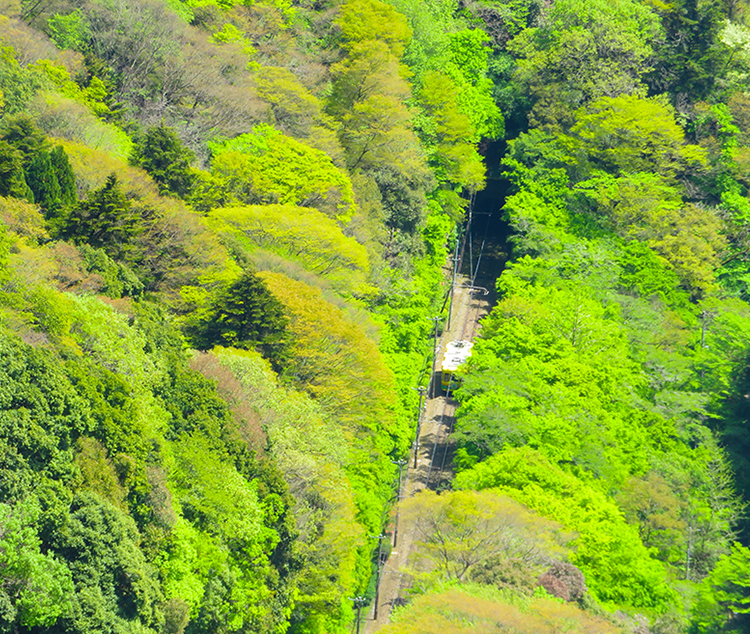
{"x": 225, "y": 233}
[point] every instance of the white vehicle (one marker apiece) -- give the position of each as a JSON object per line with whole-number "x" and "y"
{"x": 456, "y": 353}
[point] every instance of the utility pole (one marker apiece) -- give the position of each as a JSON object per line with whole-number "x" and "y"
{"x": 422, "y": 391}
{"x": 401, "y": 463}
{"x": 380, "y": 539}
{"x": 359, "y": 602}
{"x": 453, "y": 285}
{"x": 434, "y": 355}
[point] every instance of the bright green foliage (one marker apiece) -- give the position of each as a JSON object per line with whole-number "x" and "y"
{"x": 246, "y": 316}
{"x": 5, "y": 243}
{"x": 641, "y": 207}
{"x": 69, "y": 31}
{"x": 310, "y": 449}
{"x": 583, "y": 51}
{"x": 443, "y": 44}
{"x": 724, "y": 600}
{"x": 12, "y": 177}
{"x": 166, "y": 159}
{"x": 632, "y": 134}
{"x": 468, "y": 66}
{"x": 617, "y": 566}
{"x": 363, "y": 20}
{"x": 134, "y": 459}
{"x": 37, "y": 587}
{"x": 474, "y": 609}
{"x": 228, "y": 551}
{"x": 268, "y": 166}
{"x": 18, "y": 85}
{"x": 215, "y": 497}
{"x": 447, "y": 134}
{"x": 368, "y": 98}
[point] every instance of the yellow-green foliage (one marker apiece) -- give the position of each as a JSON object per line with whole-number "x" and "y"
{"x": 338, "y": 364}
{"x": 302, "y": 234}
{"x": 478, "y": 610}
{"x": 458, "y": 531}
{"x": 334, "y": 359}
{"x": 618, "y": 567}
{"x": 311, "y": 451}
{"x": 71, "y": 119}
{"x": 23, "y": 219}
{"x": 176, "y": 245}
{"x": 268, "y": 166}
{"x": 362, "y": 20}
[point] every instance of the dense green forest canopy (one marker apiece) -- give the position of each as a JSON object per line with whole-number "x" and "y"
{"x": 224, "y": 229}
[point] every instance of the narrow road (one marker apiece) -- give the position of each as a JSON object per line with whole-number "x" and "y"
{"x": 434, "y": 458}
{"x": 482, "y": 258}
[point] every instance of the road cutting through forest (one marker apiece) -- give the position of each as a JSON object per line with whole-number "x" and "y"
{"x": 434, "y": 458}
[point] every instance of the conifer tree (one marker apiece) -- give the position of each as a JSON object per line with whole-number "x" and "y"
{"x": 65, "y": 176}
{"x": 106, "y": 219}
{"x": 42, "y": 180}
{"x": 166, "y": 159}
{"x": 246, "y": 316}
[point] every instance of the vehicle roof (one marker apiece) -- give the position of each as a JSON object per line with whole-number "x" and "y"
{"x": 456, "y": 353}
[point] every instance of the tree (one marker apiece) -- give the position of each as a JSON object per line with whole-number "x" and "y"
{"x": 652, "y": 506}
{"x": 692, "y": 57}
{"x": 581, "y": 51}
{"x": 23, "y": 134}
{"x": 724, "y": 600}
{"x": 362, "y": 20}
{"x": 247, "y": 316}
{"x": 298, "y": 233}
{"x": 12, "y": 177}
{"x": 447, "y": 133}
{"x": 266, "y": 165}
{"x": 456, "y": 531}
{"x": 105, "y": 219}
{"x": 35, "y": 588}
{"x": 643, "y": 207}
{"x": 295, "y": 109}
{"x": 42, "y": 180}
{"x": 631, "y": 134}
{"x": 162, "y": 154}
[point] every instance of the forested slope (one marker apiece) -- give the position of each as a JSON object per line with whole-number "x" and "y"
{"x": 604, "y": 391}
{"x": 222, "y": 239}
{"x": 223, "y": 227}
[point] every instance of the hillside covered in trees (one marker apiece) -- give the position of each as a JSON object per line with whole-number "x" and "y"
{"x": 224, "y": 228}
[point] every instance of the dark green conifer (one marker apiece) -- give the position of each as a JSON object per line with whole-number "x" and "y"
{"x": 42, "y": 179}
{"x": 246, "y": 316}
{"x": 65, "y": 176}
{"x": 166, "y": 159}
{"x": 106, "y": 219}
